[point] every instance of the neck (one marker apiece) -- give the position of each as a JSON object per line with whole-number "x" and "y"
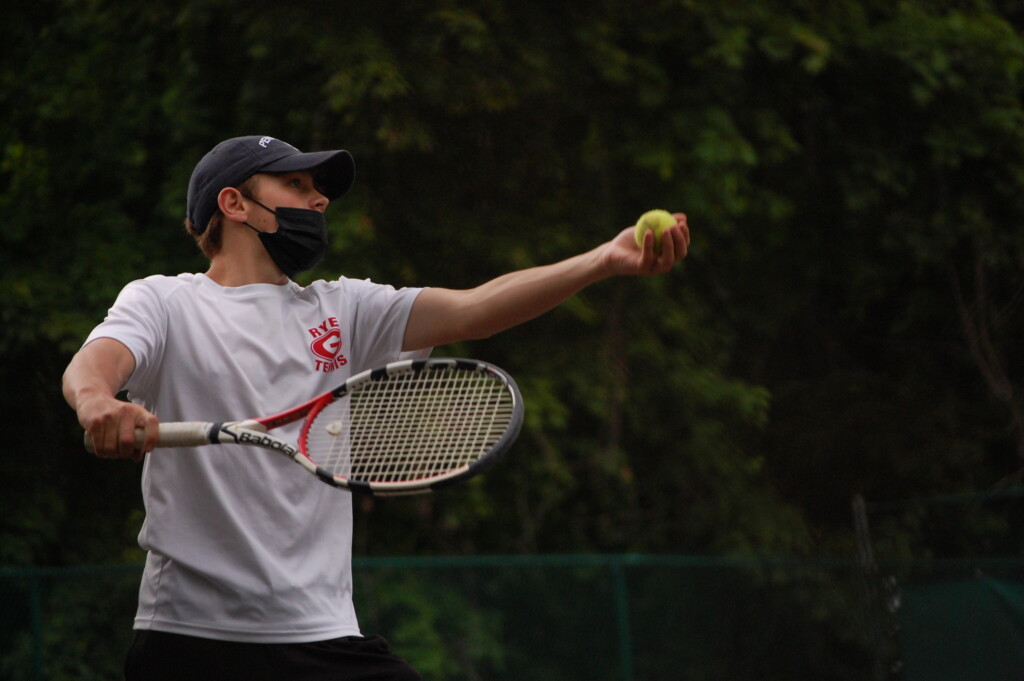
{"x": 242, "y": 260}
{"x": 237, "y": 274}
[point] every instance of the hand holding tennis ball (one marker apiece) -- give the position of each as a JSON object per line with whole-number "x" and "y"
{"x": 656, "y": 221}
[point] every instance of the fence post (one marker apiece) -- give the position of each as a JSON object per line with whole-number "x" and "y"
{"x": 869, "y": 586}
{"x": 622, "y": 618}
{"x": 35, "y": 600}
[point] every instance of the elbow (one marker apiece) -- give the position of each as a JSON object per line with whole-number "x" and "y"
{"x": 466, "y": 331}
{"x": 442, "y": 316}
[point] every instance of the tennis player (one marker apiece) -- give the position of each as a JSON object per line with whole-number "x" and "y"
{"x": 248, "y": 570}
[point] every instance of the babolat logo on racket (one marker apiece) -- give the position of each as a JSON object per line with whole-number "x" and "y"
{"x": 247, "y": 438}
{"x": 326, "y": 346}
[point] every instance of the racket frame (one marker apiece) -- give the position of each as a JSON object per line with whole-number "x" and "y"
{"x": 254, "y": 432}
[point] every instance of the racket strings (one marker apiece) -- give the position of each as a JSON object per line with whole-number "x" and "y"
{"x": 411, "y": 426}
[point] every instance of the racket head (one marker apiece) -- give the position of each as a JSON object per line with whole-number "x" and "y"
{"x": 412, "y": 426}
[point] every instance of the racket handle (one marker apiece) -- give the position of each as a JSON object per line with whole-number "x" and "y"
{"x": 178, "y": 434}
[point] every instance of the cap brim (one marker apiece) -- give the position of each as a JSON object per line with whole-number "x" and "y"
{"x": 333, "y": 171}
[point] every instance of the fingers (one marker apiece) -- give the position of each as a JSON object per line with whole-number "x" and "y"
{"x": 151, "y": 428}
{"x": 621, "y": 255}
{"x": 682, "y": 231}
{"x": 675, "y": 241}
{"x": 675, "y": 245}
{"x": 113, "y": 431}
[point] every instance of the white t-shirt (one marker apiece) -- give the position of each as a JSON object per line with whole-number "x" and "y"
{"x": 242, "y": 543}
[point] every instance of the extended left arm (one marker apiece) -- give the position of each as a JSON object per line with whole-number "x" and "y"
{"x": 441, "y": 316}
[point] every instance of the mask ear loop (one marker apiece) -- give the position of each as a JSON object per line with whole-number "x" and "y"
{"x": 258, "y": 203}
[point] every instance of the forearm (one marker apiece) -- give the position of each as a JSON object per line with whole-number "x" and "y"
{"x": 90, "y": 386}
{"x": 444, "y": 315}
{"x": 520, "y": 296}
{"x": 97, "y": 370}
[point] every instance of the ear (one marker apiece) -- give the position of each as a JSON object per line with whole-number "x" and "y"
{"x": 231, "y": 204}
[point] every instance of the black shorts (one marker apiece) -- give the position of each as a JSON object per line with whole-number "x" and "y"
{"x": 159, "y": 656}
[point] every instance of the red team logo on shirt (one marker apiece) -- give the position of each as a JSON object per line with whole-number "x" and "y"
{"x": 326, "y": 345}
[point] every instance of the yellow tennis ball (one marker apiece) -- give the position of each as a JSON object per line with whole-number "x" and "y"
{"x": 656, "y": 221}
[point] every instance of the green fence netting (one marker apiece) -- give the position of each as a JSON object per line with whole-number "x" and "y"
{"x": 966, "y": 628}
{"x": 592, "y": 618}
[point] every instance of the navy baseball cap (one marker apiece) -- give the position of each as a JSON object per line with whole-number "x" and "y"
{"x": 234, "y": 160}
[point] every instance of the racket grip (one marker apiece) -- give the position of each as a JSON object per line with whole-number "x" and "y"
{"x": 177, "y": 434}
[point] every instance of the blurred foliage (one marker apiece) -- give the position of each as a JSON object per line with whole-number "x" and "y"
{"x": 497, "y": 618}
{"x": 846, "y": 322}
{"x": 80, "y": 619}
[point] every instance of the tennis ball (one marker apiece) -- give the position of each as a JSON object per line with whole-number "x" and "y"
{"x": 656, "y": 221}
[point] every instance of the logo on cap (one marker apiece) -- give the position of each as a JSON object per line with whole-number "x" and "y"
{"x": 265, "y": 141}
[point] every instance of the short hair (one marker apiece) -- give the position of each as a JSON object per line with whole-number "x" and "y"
{"x": 211, "y": 238}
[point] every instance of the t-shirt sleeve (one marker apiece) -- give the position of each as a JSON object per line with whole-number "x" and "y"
{"x": 138, "y": 320}
{"x": 381, "y": 313}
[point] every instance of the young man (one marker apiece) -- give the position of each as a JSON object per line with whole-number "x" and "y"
{"x": 246, "y": 579}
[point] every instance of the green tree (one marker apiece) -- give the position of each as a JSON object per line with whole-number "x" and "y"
{"x": 844, "y": 324}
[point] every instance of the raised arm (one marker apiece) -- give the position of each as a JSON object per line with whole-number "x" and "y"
{"x": 91, "y": 382}
{"x": 442, "y": 316}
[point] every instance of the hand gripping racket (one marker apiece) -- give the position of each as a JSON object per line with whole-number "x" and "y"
{"x": 406, "y": 428}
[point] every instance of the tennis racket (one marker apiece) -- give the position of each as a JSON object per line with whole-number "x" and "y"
{"x": 406, "y": 428}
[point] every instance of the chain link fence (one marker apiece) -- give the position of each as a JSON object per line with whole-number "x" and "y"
{"x": 598, "y": 618}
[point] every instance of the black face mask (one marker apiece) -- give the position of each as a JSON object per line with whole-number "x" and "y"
{"x": 300, "y": 241}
